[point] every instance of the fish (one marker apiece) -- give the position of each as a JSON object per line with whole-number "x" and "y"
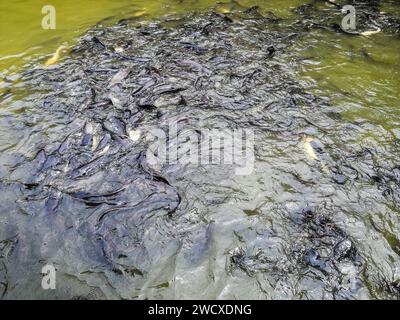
{"x": 55, "y": 57}
{"x": 88, "y": 134}
{"x": 115, "y": 126}
{"x": 50, "y": 162}
{"x": 365, "y": 33}
{"x": 119, "y": 77}
{"x": 98, "y": 44}
{"x": 154, "y": 201}
{"x": 313, "y": 259}
{"x": 195, "y": 66}
{"x": 134, "y": 135}
{"x": 86, "y": 139}
{"x": 369, "y": 33}
{"x": 223, "y": 8}
{"x": 311, "y": 147}
{"x": 95, "y": 141}
{"x": 324, "y": 168}
{"x": 103, "y": 143}
{"x": 104, "y": 151}
{"x": 308, "y": 148}
{"x": 139, "y": 13}
{"x": 86, "y": 168}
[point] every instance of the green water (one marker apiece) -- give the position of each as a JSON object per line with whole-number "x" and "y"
{"x": 360, "y": 74}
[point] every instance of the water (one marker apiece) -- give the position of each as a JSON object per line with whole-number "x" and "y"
{"x": 23, "y": 38}
{"x": 294, "y": 228}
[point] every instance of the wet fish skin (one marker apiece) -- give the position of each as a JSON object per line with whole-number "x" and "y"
{"x": 130, "y": 58}
{"x": 119, "y": 77}
{"x": 105, "y": 103}
{"x": 370, "y": 32}
{"x": 84, "y": 169}
{"x": 193, "y": 47}
{"x": 312, "y": 258}
{"x": 194, "y": 65}
{"x": 154, "y": 201}
{"x": 115, "y": 125}
{"x": 134, "y": 135}
{"x": 50, "y": 162}
{"x": 167, "y": 89}
{"x": 103, "y": 142}
{"x": 55, "y": 57}
{"x": 312, "y": 147}
{"x": 147, "y": 85}
{"x": 98, "y": 43}
{"x": 86, "y": 139}
{"x": 342, "y": 249}
{"x": 309, "y": 149}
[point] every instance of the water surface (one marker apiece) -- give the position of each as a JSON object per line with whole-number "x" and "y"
{"x": 200, "y": 232}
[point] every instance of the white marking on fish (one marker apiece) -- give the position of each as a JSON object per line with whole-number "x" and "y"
{"x": 95, "y": 143}
{"x": 55, "y": 57}
{"x": 119, "y": 77}
{"x": 104, "y": 151}
{"x": 369, "y": 33}
{"x": 134, "y": 135}
{"x": 311, "y": 155}
{"x": 308, "y": 148}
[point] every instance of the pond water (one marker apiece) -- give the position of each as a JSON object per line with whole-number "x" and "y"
{"x": 317, "y": 218}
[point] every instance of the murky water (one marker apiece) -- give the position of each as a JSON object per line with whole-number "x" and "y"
{"x": 78, "y": 192}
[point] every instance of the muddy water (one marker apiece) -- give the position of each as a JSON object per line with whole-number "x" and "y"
{"x": 78, "y": 191}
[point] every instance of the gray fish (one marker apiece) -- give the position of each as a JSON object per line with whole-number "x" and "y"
{"x": 84, "y": 169}
{"x": 194, "y": 65}
{"x": 119, "y": 77}
{"x": 87, "y": 139}
{"x": 103, "y": 142}
{"x": 155, "y": 201}
{"x": 50, "y": 162}
{"x": 88, "y": 134}
{"x": 115, "y": 126}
